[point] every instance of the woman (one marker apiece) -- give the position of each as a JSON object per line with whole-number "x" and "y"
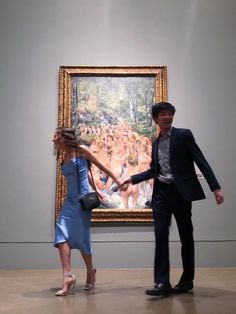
{"x": 73, "y": 225}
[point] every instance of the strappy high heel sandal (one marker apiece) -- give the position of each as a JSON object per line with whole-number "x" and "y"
{"x": 89, "y": 286}
{"x": 70, "y": 289}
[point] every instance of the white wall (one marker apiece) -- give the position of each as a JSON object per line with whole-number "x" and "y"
{"x": 195, "y": 39}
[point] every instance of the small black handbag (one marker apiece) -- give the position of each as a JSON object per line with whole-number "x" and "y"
{"x": 89, "y": 200}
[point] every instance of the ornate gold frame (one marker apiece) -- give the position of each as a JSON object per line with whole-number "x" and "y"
{"x": 64, "y": 119}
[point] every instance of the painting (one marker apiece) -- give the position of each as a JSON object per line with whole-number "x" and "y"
{"x": 110, "y": 108}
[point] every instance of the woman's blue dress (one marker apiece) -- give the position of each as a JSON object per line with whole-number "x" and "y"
{"x": 73, "y": 225}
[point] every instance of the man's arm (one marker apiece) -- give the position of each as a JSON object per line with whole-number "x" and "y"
{"x": 204, "y": 166}
{"x": 143, "y": 176}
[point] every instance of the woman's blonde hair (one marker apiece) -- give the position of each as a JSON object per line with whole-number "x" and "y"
{"x": 69, "y": 136}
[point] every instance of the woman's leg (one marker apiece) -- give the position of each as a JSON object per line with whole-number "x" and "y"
{"x": 68, "y": 277}
{"x": 65, "y": 256}
{"x": 91, "y": 271}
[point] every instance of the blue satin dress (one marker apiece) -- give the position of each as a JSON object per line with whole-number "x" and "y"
{"x": 73, "y": 225}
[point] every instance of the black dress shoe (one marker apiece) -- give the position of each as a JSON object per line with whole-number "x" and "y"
{"x": 183, "y": 287}
{"x": 160, "y": 289}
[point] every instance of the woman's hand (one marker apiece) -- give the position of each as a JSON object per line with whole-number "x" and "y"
{"x": 125, "y": 184}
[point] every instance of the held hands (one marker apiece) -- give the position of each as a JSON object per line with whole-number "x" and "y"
{"x": 219, "y": 196}
{"x": 121, "y": 186}
{"x": 125, "y": 184}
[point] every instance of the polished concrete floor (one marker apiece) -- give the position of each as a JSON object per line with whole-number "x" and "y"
{"x": 117, "y": 291}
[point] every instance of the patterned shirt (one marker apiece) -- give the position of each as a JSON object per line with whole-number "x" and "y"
{"x": 165, "y": 174}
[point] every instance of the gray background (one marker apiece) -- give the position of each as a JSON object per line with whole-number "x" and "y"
{"x": 195, "y": 39}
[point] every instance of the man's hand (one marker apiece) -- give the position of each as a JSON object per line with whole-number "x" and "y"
{"x": 125, "y": 184}
{"x": 219, "y": 196}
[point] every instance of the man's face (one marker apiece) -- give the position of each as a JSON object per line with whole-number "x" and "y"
{"x": 164, "y": 119}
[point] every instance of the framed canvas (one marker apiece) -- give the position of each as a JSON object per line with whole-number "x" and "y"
{"x": 110, "y": 108}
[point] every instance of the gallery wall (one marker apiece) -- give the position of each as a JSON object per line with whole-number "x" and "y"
{"x": 194, "y": 39}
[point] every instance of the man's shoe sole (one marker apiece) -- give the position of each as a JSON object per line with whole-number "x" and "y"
{"x": 156, "y": 294}
{"x": 179, "y": 291}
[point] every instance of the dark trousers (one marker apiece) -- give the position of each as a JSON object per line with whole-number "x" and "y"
{"x": 167, "y": 201}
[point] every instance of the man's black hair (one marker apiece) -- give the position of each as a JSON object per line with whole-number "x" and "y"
{"x": 158, "y": 107}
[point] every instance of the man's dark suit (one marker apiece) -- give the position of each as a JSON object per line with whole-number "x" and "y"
{"x": 176, "y": 198}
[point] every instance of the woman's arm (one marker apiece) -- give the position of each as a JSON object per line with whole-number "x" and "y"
{"x": 86, "y": 153}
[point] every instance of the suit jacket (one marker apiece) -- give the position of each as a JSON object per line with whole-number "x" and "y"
{"x": 183, "y": 153}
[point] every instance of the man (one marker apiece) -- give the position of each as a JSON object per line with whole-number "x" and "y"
{"x": 175, "y": 187}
